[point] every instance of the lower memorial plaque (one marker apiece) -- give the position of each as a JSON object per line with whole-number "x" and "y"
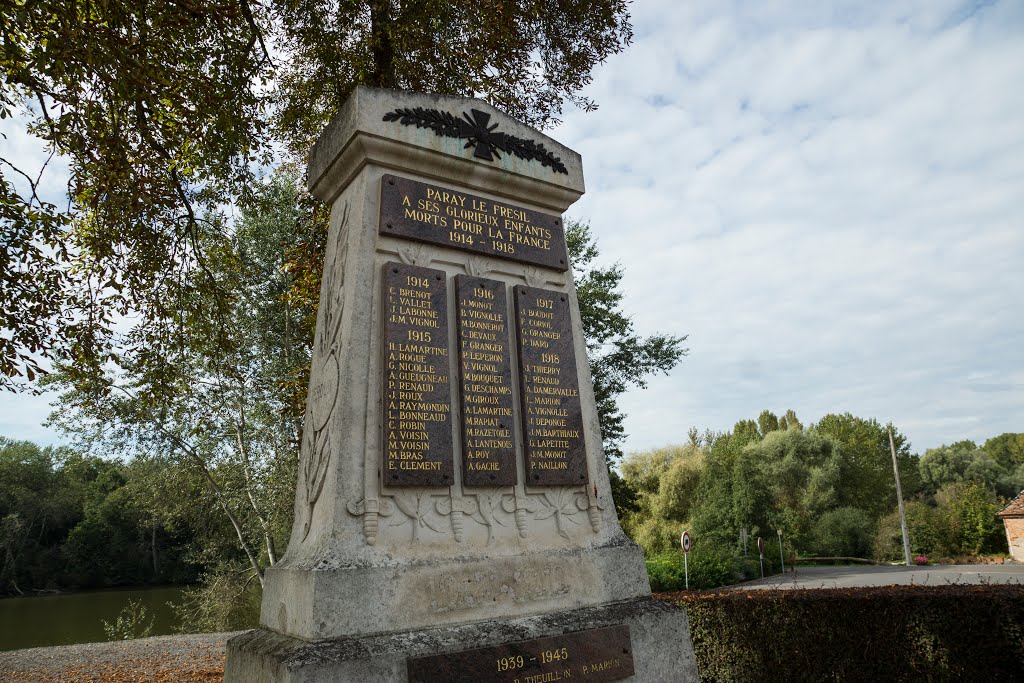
{"x": 556, "y": 454}
{"x": 417, "y": 393}
{"x": 600, "y": 654}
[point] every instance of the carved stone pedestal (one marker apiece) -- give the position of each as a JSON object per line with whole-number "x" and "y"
{"x": 659, "y": 636}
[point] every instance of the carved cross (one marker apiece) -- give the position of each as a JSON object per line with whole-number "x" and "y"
{"x": 487, "y": 143}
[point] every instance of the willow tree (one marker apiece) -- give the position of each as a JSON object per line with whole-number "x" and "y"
{"x": 162, "y": 109}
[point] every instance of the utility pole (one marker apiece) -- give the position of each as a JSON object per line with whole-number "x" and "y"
{"x": 899, "y": 499}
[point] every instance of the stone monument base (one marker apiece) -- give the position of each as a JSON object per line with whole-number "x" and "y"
{"x": 659, "y": 635}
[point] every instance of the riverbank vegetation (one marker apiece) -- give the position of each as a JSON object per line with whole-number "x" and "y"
{"x": 829, "y": 488}
{"x": 73, "y": 521}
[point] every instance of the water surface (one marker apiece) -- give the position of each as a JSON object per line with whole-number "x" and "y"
{"x": 67, "y": 618}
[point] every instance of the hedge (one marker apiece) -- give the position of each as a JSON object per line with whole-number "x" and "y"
{"x": 908, "y": 633}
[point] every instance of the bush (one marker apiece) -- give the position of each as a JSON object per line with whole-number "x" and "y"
{"x": 915, "y": 633}
{"x": 710, "y": 567}
{"x": 844, "y": 532}
{"x": 654, "y": 534}
{"x": 970, "y": 510}
{"x": 134, "y": 621}
{"x": 226, "y": 600}
{"x": 929, "y": 531}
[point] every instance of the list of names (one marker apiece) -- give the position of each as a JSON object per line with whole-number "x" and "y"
{"x": 488, "y": 452}
{"x": 417, "y": 392}
{"x": 549, "y": 389}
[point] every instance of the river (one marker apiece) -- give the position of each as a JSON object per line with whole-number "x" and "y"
{"x": 66, "y": 618}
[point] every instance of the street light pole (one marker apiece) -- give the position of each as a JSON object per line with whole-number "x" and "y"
{"x": 899, "y": 500}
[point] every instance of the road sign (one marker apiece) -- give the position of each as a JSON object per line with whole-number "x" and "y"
{"x": 760, "y": 545}
{"x": 684, "y": 541}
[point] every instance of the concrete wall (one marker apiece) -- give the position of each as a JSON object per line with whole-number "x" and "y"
{"x": 1015, "y": 536}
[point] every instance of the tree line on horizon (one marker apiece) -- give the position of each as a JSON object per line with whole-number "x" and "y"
{"x": 829, "y": 487}
{"x": 70, "y": 520}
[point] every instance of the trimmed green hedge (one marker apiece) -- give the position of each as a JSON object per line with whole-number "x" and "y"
{"x": 907, "y": 633}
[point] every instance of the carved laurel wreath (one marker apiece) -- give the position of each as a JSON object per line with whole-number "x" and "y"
{"x": 474, "y": 129}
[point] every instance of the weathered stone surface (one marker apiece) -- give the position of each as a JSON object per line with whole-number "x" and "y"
{"x": 359, "y": 134}
{"x": 485, "y": 373}
{"x": 427, "y": 212}
{"x": 659, "y": 634}
{"x": 556, "y": 452}
{"x": 417, "y": 421}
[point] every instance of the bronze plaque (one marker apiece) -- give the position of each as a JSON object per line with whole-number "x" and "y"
{"x": 600, "y": 654}
{"x": 417, "y": 392}
{"x": 456, "y": 219}
{"x": 485, "y": 370}
{"x": 556, "y": 454}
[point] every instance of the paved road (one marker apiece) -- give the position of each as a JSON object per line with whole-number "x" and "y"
{"x": 868, "y": 575}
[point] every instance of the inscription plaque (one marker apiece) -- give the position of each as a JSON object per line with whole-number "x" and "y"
{"x": 456, "y": 219}
{"x": 417, "y": 392}
{"x": 485, "y": 371}
{"x": 600, "y": 654}
{"x": 556, "y": 453}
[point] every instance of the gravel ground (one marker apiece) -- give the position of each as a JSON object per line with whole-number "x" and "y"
{"x": 197, "y": 658}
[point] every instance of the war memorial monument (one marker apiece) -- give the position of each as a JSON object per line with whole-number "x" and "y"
{"x": 453, "y": 518}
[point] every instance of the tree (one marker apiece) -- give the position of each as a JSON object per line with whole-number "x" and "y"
{"x": 665, "y": 481}
{"x": 868, "y": 481}
{"x": 767, "y": 422}
{"x": 219, "y": 401}
{"x": 1006, "y": 449}
{"x": 787, "y": 480}
{"x": 158, "y": 110}
{"x": 69, "y": 520}
{"x": 963, "y": 461}
{"x": 618, "y": 357}
{"x": 524, "y": 57}
{"x": 163, "y": 111}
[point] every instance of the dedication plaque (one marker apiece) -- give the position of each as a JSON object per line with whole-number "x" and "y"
{"x": 600, "y": 654}
{"x": 485, "y": 371}
{"x": 556, "y": 454}
{"x": 417, "y": 393}
{"x": 456, "y": 219}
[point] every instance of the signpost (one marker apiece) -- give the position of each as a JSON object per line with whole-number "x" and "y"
{"x": 781, "y": 558}
{"x": 760, "y": 550}
{"x": 684, "y": 540}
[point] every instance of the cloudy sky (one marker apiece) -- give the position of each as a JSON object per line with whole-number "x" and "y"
{"x": 828, "y": 198}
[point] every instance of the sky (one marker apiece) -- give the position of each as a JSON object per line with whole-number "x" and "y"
{"x": 826, "y": 197}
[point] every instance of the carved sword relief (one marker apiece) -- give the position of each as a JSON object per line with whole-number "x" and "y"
{"x": 322, "y": 397}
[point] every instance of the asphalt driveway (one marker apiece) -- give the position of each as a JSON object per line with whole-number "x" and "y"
{"x": 868, "y": 575}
